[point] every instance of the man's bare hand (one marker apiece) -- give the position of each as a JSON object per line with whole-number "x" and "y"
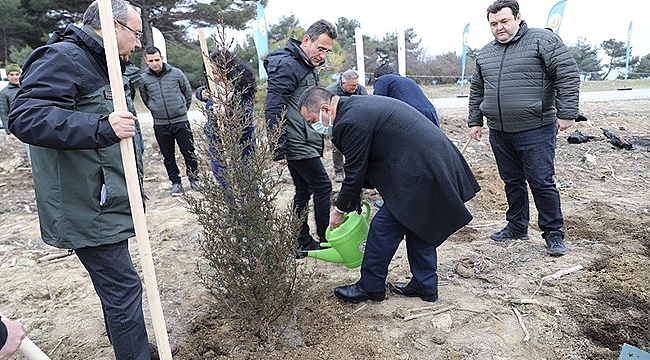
{"x": 476, "y": 132}
{"x": 336, "y": 218}
{"x": 123, "y": 124}
{"x": 563, "y": 124}
{"x": 15, "y": 335}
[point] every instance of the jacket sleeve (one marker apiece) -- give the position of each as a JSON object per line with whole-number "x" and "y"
{"x": 475, "y": 98}
{"x": 143, "y": 90}
{"x": 380, "y": 87}
{"x": 562, "y": 68}
{"x": 44, "y": 112}
{"x": 282, "y": 82}
{"x": 4, "y": 110}
{"x": 187, "y": 89}
{"x": 3, "y": 334}
{"x": 355, "y": 142}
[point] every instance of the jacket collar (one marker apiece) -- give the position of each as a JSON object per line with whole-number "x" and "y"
{"x": 293, "y": 46}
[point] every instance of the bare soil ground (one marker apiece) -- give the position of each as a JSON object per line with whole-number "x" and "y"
{"x": 586, "y": 314}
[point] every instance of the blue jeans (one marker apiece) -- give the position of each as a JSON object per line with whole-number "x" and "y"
{"x": 386, "y": 233}
{"x": 119, "y": 288}
{"x": 310, "y": 178}
{"x": 167, "y": 136}
{"x": 523, "y": 158}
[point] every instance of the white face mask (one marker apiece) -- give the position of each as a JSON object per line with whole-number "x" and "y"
{"x": 320, "y": 128}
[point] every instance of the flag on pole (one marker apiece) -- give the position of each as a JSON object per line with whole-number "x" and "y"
{"x": 261, "y": 39}
{"x": 463, "y": 57}
{"x": 555, "y": 16}
{"x": 627, "y": 51}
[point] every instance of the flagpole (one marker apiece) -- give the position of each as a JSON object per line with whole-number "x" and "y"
{"x": 463, "y": 59}
{"x": 627, "y": 58}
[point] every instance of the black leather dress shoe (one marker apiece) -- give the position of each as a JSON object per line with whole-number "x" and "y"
{"x": 355, "y": 294}
{"x": 403, "y": 289}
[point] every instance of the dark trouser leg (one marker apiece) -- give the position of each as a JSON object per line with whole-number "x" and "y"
{"x": 119, "y": 288}
{"x": 337, "y": 159}
{"x": 384, "y": 238}
{"x": 309, "y": 177}
{"x": 167, "y": 146}
{"x": 511, "y": 170}
{"x": 185, "y": 139}
{"x": 539, "y": 166}
{"x": 423, "y": 260}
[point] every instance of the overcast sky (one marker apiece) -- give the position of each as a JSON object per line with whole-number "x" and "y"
{"x": 440, "y": 24}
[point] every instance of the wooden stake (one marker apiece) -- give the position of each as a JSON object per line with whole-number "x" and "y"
{"x": 206, "y": 61}
{"x": 465, "y": 146}
{"x": 132, "y": 183}
{"x": 29, "y": 350}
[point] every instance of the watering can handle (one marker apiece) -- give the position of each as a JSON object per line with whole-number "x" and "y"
{"x": 368, "y": 209}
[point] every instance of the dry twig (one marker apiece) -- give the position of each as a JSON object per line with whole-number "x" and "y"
{"x": 521, "y": 323}
{"x": 440, "y": 311}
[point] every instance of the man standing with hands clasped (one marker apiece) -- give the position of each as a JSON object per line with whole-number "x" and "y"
{"x": 167, "y": 93}
{"x": 526, "y": 84}
{"x": 64, "y": 108}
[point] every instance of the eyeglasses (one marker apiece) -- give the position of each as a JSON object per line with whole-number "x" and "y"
{"x": 324, "y": 50}
{"x": 138, "y": 34}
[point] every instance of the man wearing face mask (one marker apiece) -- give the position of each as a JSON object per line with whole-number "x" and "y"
{"x": 290, "y": 72}
{"x": 421, "y": 175}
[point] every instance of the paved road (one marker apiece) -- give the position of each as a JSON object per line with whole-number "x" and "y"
{"x": 584, "y": 97}
{"x": 196, "y": 115}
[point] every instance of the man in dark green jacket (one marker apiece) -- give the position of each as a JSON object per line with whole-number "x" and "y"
{"x": 64, "y": 109}
{"x": 526, "y": 84}
{"x": 290, "y": 72}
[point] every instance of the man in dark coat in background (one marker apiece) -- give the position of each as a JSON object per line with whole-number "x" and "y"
{"x": 387, "y": 82}
{"x": 423, "y": 178}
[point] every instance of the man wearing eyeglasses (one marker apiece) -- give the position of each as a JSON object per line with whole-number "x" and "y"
{"x": 290, "y": 72}
{"x": 64, "y": 108}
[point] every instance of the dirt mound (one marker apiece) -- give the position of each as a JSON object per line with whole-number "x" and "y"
{"x": 484, "y": 285}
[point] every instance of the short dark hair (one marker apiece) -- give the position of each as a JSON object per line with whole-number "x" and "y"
{"x": 314, "y": 97}
{"x": 384, "y": 69}
{"x": 500, "y": 4}
{"x": 152, "y": 50}
{"x": 322, "y": 27}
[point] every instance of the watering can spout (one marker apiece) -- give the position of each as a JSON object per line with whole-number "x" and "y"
{"x": 330, "y": 255}
{"x": 348, "y": 241}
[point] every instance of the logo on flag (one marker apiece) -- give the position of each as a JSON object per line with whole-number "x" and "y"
{"x": 555, "y": 16}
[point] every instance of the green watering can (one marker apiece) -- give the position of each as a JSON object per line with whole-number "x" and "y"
{"x": 348, "y": 241}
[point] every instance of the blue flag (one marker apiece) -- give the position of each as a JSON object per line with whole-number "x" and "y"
{"x": 463, "y": 57}
{"x": 261, "y": 38}
{"x": 555, "y": 16}
{"x": 627, "y": 52}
